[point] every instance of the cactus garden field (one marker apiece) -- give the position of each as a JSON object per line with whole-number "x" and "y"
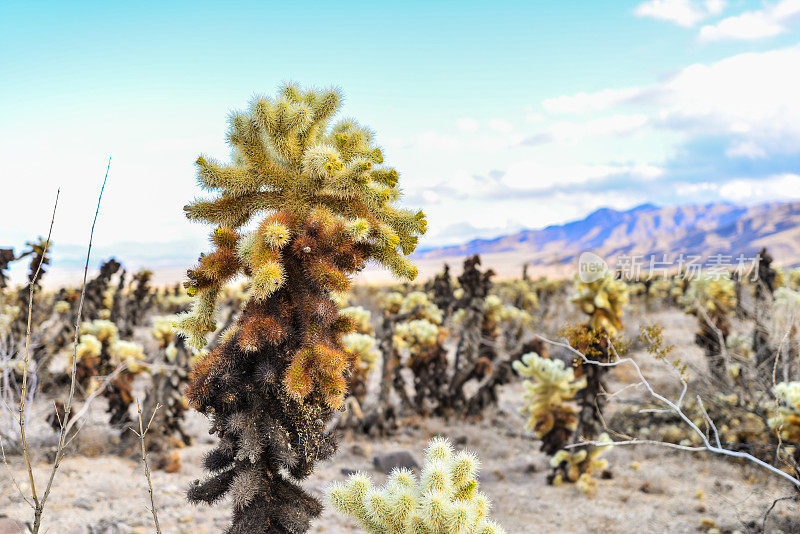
{"x": 400, "y": 268}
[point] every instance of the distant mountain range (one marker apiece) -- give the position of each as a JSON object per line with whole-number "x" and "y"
{"x": 646, "y": 230}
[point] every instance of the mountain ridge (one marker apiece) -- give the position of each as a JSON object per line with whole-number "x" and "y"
{"x": 648, "y": 229}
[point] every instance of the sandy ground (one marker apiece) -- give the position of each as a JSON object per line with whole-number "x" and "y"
{"x": 653, "y": 489}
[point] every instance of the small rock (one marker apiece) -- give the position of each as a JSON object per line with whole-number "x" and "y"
{"x": 460, "y": 441}
{"x": 386, "y": 463}
{"x": 531, "y": 468}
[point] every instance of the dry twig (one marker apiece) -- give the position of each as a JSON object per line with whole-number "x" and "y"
{"x": 675, "y": 408}
{"x": 142, "y": 433}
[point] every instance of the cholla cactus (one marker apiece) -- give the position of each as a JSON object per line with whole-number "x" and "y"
{"x": 8, "y": 315}
{"x": 391, "y": 302}
{"x": 363, "y": 346}
{"x": 442, "y": 289}
{"x": 712, "y": 300}
{"x": 715, "y": 294}
{"x": 39, "y": 251}
{"x": 793, "y": 279}
{"x": 520, "y": 293}
{"x": 604, "y": 300}
{"x": 785, "y": 419}
{"x": 170, "y": 373}
{"x": 548, "y": 399}
{"x": 360, "y": 317}
{"x": 100, "y": 352}
{"x": 6, "y": 257}
{"x": 277, "y": 376}
{"x": 473, "y": 358}
{"x": 504, "y": 322}
{"x": 659, "y": 289}
{"x": 785, "y": 328}
{"x": 422, "y": 334}
{"x": 95, "y": 303}
{"x": 445, "y": 500}
{"x": 578, "y": 465}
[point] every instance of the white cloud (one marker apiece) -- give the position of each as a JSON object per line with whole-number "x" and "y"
{"x": 746, "y": 190}
{"x": 745, "y": 149}
{"x": 432, "y": 140}
{"x": 501, "y": 126}
{"x": 751, "y": 97}
{"x": 759, "y": 189}
{"x": 531, "y": 176}
{"x": 467, "y": 125}
{"x": 684, "y": 13}
{"x": 588, "y": 102}
{"x": 573, "y": 132}
{"x": 770, "y": 21}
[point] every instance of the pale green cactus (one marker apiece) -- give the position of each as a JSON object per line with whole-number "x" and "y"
{"x": 786, "y": 315}
{"x": 793, "y": 279}
{"x": 416, "y": 334}
{"x": 392, "y": 301}
{"x": 660, "y": 289}
{"x": 364, "y": 346}
{"x": 604, "y": 300}
{"x": 785, "y": 419}
{"x": 163, "y": 330}
{"x": 360, "y": 317}
{"x": 578, "y": 465}
{"x": 521, "y": 293}
{"x": 423, "y": 329}
{"x": 445, "y": 500}
{"x": 420, "y": 304}
{"x": 104, "y": 330}
{"x": 131, "y": 354}
{"x": 8, "y": 314}
{"x": 716, "y": 295}
{"x": 549, "y": 394}
{"x": 497, "y": 312}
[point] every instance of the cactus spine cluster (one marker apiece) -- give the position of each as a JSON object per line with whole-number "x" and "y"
{"x": 280, "y": 371}
{"x": 548, "y": 399}
{"x": 445, "y": 500}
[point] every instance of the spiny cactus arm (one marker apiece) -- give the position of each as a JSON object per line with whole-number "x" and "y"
{"x": 232, "y": 211}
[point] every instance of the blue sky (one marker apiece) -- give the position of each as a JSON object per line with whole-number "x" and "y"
{"x": 499, "y": 115}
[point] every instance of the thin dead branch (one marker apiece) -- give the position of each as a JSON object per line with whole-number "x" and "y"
{"x": 675, "y": 408}
{"x": 141, "y": 434}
